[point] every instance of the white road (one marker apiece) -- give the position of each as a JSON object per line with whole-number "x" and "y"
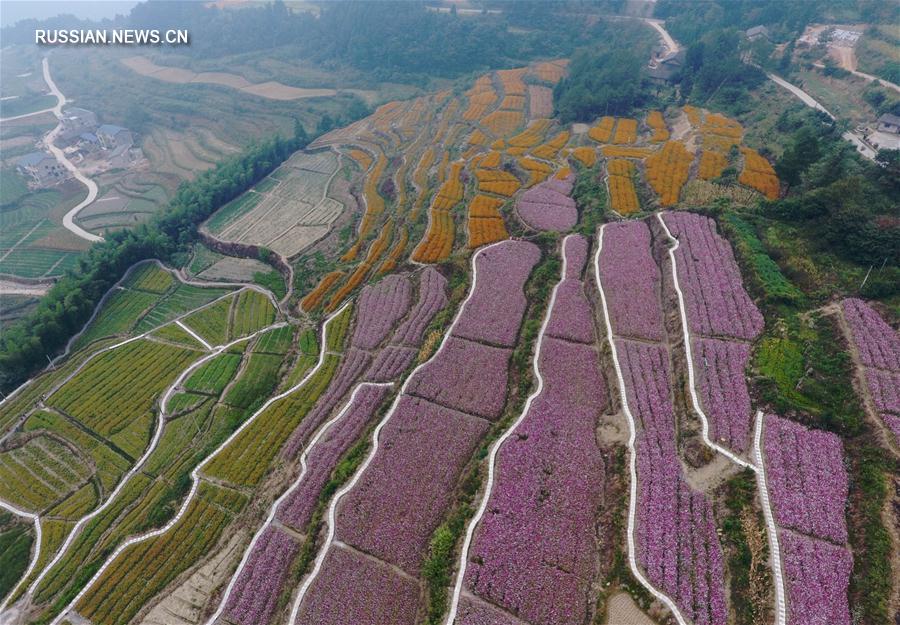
{"x": 223, "y": 602}
{"x": 810, "y": 101}
{"x": 330, "y": 518}
{"x": 632, "y": 453}
{"x": 758, "y": 468}
{"x": 668, "y": 41}
{"x": 492, "y": 457}
{"x": 69, "y": 218}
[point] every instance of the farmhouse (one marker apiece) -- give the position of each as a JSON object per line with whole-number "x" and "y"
{"x": 76, "y": 121}
{"x": 757, "y": 32}
{"x": 112, "y": 137}
{"x": 667, "y": 69}
{"x": 42, "y": 168}
{"x": 889, "y": 123}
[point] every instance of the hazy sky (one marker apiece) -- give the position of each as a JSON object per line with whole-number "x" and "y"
{"x": 11, "y": 11}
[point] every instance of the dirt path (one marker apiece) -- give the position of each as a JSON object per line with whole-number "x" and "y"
{"x": 11, "y": 287}
{"x": 69, "y": 218}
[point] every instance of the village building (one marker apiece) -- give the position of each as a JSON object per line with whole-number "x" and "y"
{"x": 757, "y": 32}
{"x": 889, "y": 123}
{"x": 665, "y": 70}
{"x": 42, "y": 168}
{"x": 76, "y": 121}
{"x": 112, "y": 137}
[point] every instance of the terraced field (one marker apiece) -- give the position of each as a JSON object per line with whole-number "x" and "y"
{"x": 493, "y": 404}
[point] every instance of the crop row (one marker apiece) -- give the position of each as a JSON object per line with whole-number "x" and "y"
{"x": 379, "y": 307}
{"x": 150, "y": 277}
{"x": 657, "y": 123}
{"x": 585, "y": 155}
{"x": 119, "y": 386}
{"x": 807, "y": 479}
{"x": 396, "y": 252}
{"x": 624, "y": 151}
{"x": 626, "y": 131}
{"x": 548, "y": 206}
{"x": 712, "y": 163}
{"x": 353, "y": 588}
{"x": 667, "y": 171}
{"x": 432, "y": 298}
{"x": 352, "y": 366}
{"x": 547, "y": 488}
{"x": 252, "y": 312}
{"x": 258, "y": 379}
{"x": 503, "y": 123}
{"x": 212, "y": 376}
{"x": 376, "y": 250}
{"x": 481, "y": 96}
{"x": 632, "y": 281}
{"x": 720, "y": 367}
{"x": 497, "y": 181}
{"x": 758, "y": 174}
{"x": 120, "y": 312}
{"x": 677, "y": 543}
{"x": 716, "y": 302}
{"x": 622, "y": 195}
{"x": 312, "y": 299}
{"x": 297, "y": 510}
{"x": 532, "y": 135}
{"x": 362, "y": 158}
{"x": 374, "y": 201}
{"x": 38, "y": 473}
{"x": 537, "y": 170}
{"x": 183, "y": 299}
{"x": 254, "y": 596}
{"x": 145, "y": 569}
{"x": 602, "y": 132}
{"x": 511, "y": 80}
{"x": 212, "y": 322}
{"x": 817, "y": 575}
{"x": 245, "y": 460}
{"x": 877, "y": 342}
{"x": 551, "y": 148}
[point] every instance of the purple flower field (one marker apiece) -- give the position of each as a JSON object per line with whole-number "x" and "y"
{"x": 534, "y": 553}
{"x": 807, "y": 479}
{"x": 494, "y": 312}
{"x": 878, "y": 344}
{"x": 717, "y": 304}
{"x": 817, "y": 575}
{"x": 720, "y": 369}
{"x": 432, "y": 297}
{"x": 575, "y": 249}
{"x": 547, "y": 206}
{"x": 390, "y": 363}
{"x": 885, "y": 389}
{"x": 402, "y": 496}
{"x": 351, "y": 368}
{"x": 256, "y": 592}
{"x": 572, "y": 317}
{"x": 354, "y": 589}
{"x": 893, "y": 424}
{"x": 676, "y": 536}
{"x": 297, "y": 510}
{"x": 631, "y": 281}
{"x": 379, "y": 308}
{"x": 467, "y": 376}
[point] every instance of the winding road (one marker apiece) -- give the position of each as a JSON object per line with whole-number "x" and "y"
{"x": 69, "y": 218}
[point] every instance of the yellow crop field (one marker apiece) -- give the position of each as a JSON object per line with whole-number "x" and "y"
{"x": 758, "y": 174}
{"x": 622, "y": 195}
{"x": 626, "y": 131}
{"x": 667, "y": 171}
{"x": 602, "y": 132}
{"x": 658, "y": 124}
{"x": 587, "y": 156}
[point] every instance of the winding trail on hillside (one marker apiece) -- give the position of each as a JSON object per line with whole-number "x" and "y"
{"x": 332, "y": 508}
{"x": 495, "y": 448}
{"x": 223, "y": 602}
{"x": 195, "y": 473}
{"x": 69, "y": 217}
{"x": 758, "y": 467}
{"x": 214, "y": 351}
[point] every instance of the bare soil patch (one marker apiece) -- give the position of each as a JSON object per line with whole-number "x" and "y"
{"x": 271, "y": 89}
{"x": 624, "y": 611}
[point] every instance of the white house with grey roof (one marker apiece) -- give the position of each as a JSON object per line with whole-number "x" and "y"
{"x": 42, "y": 168}
{"x": 112, "y": 137}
